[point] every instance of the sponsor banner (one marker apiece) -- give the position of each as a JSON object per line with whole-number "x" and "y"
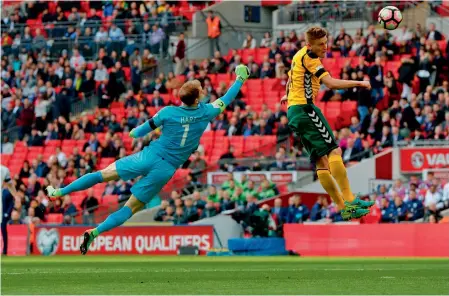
{"x": 389, "y": 240}
{"x": 148, "y": 240}
{"x": 276, "y": 177}
{"x": 17, "y": 240}
{"x": 417, "y": 159}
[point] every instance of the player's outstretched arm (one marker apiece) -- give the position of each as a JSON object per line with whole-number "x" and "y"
{"x": 333, "y": 83}
{"x": 144, "y": 129}
{"x": 242, "y": 73}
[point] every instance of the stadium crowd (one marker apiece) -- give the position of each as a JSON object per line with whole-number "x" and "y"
{"x": 407, "y": 103}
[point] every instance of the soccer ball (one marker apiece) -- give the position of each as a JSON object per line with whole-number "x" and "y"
{"x": 390, "y": 17}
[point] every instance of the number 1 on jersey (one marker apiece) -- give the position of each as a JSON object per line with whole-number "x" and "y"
{"x": 184, "y": 136}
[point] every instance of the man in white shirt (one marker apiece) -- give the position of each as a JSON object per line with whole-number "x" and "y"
{"x": 116, "y": 34}
{"x": 77, "y": 60}
{"x": 446, "y": 193}
{"x": 101, "y": 35}
{"x": 434, "y": 197}
{"x": 405, "y": 35}
{"x": 101, "y": 73}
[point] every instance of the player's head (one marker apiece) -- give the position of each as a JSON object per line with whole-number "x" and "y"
{"x": 316, "y": 41}
{"x": 190, "y": 93}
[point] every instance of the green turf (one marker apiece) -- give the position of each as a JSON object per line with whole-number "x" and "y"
{"x": 223, "y": 275}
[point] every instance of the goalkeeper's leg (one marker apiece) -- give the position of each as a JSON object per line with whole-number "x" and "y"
{"x": 132, "y": 206}
{"x": 86, "y": 181}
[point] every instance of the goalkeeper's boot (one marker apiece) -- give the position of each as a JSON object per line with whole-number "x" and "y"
{"x": 353, "y": 212}
{"x": 88, "y": 238}
{"x": 357, "y": 202}
{"x": 52, "y": 192}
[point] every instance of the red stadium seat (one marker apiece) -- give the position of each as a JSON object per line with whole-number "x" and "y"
{"x": 5, "y": 159}
{"x": 104, "y": 162}
{"x": 349, "y": 108}
{"x": 252, "y": 143}
{"x": 110, "y": 199}
{"x": 55, "y": 219}
{"x": 254, "y": 85}
{"x": 247, "y": 53}
{"x": 270, "y": 84}
{"x": 223, "y": 78}
{"x": 260, "y": 54}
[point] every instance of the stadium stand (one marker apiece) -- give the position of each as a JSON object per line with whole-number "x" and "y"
{"x": 72, "y": 91}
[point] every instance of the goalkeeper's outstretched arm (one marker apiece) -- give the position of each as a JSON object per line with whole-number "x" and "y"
{"x": 219, "y": 105}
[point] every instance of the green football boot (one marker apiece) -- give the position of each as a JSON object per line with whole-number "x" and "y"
{"x": 350, "y": 212}
{"x": 357, "y": 202}
{"x": 52, "y": 192}
{"x": 89, "y": 237}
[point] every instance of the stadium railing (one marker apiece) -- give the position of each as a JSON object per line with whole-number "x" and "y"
{"x": 84, "y": 105}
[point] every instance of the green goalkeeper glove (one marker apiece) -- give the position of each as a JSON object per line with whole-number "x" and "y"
{"x": 242, "y": 73}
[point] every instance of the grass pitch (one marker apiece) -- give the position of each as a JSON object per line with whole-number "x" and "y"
{"x": 127, "y": 275}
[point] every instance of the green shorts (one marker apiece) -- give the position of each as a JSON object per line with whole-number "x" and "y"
{"x": 309, "y": 124}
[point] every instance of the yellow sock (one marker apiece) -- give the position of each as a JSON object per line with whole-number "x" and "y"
{"x": 329, "y": 185}
{"x": 338, "y": 171}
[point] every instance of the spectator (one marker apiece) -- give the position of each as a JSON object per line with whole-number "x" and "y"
{"x": 157, "y": 101}
{"x": 198, "y": 165}
{"x": 266, "y": 41}
{"x": 212, "y": 194}
{"x": 179, "y": 218}
{"x": 162, "y": 212}
{"x": 400, "y": 209}
{"x": 198, "y": 202}
{"x": 190, "y": 211}
{"x": 283, "y": 131}
{"x": 209, "y": 211}
{"x": 279, "y": 212}
{"x": 77, "y": 60}
{"x": 433, "y": 34}
{"x": 25, "y": 171}
{"x": 89, "y": 206}
{"x": 266, "y": 190}
{"x": 249, "y": 42}
{"x": 15, "y": 220}
{"x": 434, "y": 197}
{"x": 179, "y": 58}
{"x": 432, "y": 214}
{"x": 415, "y": 208}
{"x": 387, "y": 211}
{"x": 350, "y": 153}
{"x": 376, "y": 79}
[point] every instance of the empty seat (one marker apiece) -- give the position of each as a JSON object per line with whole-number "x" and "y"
{"x": 55, "y": 218}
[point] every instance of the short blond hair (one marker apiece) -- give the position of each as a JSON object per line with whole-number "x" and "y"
{"x": 189, "y": 92}
{"x": 315, "y": 33}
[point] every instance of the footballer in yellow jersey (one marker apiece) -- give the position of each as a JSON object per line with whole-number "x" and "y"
{"x": 307, "y": 121}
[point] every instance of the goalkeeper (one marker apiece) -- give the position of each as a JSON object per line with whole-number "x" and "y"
{"x": 183, "y": 127}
